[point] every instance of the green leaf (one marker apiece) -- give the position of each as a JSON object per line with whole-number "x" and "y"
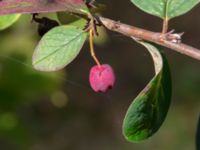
{"x": 58, "y": 48}
{"x": 66, "y": 17}
{"x": 166, "y": 8}
{"x": 149, "y": 109}
{"x": 180, "y": 7}
{"x": 71, "y": 19}
{"x": 8, "y": 20}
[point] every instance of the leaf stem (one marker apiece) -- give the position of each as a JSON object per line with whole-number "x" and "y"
{"x": 165, "y": 25}
{"x": 116, "y": 26}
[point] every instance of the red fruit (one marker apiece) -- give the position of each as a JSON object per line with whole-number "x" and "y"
{"x": 101, "y": 78}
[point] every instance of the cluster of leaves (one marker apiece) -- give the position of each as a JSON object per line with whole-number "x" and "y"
{"x": 62, "y": 44}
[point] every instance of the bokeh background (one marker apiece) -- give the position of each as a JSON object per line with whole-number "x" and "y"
{"x": 59, "y": 111}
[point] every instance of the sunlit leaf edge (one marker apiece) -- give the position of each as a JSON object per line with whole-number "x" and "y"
{"x": 11, "y": 22}
{"x": 131, "y": 115}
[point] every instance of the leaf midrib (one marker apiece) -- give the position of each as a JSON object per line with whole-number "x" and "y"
{"x": 59, "y": 48}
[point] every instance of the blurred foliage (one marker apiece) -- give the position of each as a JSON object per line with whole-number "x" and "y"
{"x": 8, "y": 20}
{"x": 59, "y": 111}
{"x": 20, "y": 85}
{"x": 198, "y": 135}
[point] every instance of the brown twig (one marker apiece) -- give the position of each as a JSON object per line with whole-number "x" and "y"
{"x": 154, "y": 37}
{"x": 127, "y": 30}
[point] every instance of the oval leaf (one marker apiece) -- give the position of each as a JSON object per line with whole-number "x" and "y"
{"x": 8, "y": 20}
{"x": 177, "y": 8}
{"x": 38, "y": 6}
{"x": 58, "y": 48}
{"x": 166, "y": 8}
{"x": 148, "y": 111}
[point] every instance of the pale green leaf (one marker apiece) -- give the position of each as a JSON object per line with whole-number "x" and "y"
{"x": 8, "y": 20}
{"x": 58, "y": 48}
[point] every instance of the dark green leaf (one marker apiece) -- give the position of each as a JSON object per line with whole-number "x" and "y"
{"x": 166, "y": 8}
{"x": 70, "y": 19}
{"x": 66, "y": 17}
{"x": 8, "y": 20}
{"x": 148, "y": 111}
{"x": 58, "y": 48}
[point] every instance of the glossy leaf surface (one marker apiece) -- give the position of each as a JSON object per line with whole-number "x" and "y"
{"x": 166, "y": 8}
{"x": 148, "y": 111}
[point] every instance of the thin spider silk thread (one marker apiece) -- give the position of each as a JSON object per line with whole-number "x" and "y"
{"x": 73, "y": 83}
{"x": 107, "y": 96}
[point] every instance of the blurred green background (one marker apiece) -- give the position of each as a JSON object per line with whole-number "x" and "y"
{"x": 59, "y": 111}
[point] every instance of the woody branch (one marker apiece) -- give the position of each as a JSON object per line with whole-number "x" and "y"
{"x": 154, "y": 37}
{"x": 127, "y": 30}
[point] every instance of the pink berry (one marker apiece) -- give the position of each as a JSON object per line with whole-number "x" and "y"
{"x": 101, "y": 78}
